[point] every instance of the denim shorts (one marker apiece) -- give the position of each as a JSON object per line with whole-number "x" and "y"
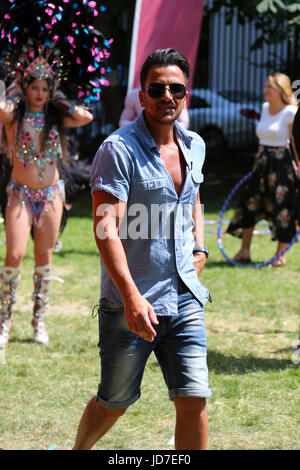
{"x": 179, "y": 346}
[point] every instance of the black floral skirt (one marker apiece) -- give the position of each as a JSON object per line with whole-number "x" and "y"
{"x": 271, "y": 193}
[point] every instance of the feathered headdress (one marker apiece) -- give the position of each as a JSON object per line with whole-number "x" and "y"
{"x": 57, "y": 41}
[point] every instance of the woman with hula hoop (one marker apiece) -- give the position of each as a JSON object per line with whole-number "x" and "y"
{"x": 271, "y": 188}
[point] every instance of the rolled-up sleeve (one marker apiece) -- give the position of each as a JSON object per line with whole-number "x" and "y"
{"x": 110, "y": 170}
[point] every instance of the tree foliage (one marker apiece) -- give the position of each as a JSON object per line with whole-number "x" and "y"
{"x": 275, "y": 20}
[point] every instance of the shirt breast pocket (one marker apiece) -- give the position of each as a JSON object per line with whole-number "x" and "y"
{"x": 150, "y": 191}
{"x": 197, "y": 176}
{"x": 196, "y": 180}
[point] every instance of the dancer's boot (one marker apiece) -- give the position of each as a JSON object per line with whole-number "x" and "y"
{"x": 42, "y": 280}
{"x": 9, "y": 278}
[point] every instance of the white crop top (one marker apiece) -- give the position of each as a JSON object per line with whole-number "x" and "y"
{"x": 273, "y": 129}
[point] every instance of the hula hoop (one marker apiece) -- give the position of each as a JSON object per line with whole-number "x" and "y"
{"x": 255, "y": 232}
{"x": 219, "y": 231}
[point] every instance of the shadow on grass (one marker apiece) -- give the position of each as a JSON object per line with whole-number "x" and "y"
{"x": 218, "y": 264}
{"x": 15, "y": 340}
{"x": 220, "y": 363}
{"x": 64, "y": 253}
{"x": 227, "y": 264}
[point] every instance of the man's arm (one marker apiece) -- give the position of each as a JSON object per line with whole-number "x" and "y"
{"x": 199, "y": 258}
{"x": 295, "y": 151}
{"x": 184, "y": 118}
{"x": 296, "y": 132}
{"x": 129, "y": 113}
{"x": 108, "y": 212}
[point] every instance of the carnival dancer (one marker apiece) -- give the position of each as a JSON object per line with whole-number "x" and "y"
{"x": 35, "y": 115}
{"x": 270, "y": 192}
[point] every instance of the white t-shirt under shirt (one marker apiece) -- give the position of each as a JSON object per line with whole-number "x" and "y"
{"x": 273, "y": 129}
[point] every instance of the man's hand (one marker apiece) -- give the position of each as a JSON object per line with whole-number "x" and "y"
{"x": 140, "y": 315}
{"x": 199, "y": 262}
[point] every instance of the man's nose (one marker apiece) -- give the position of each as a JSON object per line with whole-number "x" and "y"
{"x": 167, "y": 93}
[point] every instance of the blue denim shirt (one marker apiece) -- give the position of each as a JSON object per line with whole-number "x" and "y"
{"x": 156, "y": 231}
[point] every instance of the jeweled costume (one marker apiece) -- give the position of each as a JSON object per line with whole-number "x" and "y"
{"x": 27, "y": 152}
{"x": 56, "y": 42}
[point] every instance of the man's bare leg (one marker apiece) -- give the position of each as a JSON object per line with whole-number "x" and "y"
{"x": 191, "y": 431}
{"x": 95, "y": 422}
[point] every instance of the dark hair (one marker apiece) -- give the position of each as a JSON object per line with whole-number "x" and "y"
{"x": 163, "y": 58}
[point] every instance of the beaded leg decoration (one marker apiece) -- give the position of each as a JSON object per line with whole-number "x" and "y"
{"x": 42, "y": 279}
{"x": 9, "y": 278}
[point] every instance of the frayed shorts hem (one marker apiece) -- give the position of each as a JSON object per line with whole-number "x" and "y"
{"x": 116, "y": 405}
{"x": 192, "y": 392}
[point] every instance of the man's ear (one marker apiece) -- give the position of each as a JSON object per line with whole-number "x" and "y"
{"x": 142, "y": 98}
{"x": 186, "y": 98}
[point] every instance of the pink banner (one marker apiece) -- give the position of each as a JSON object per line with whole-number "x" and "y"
{"x": 159, "y": 24}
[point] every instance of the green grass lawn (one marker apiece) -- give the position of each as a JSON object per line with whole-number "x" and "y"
{"x": 252, "y": 325}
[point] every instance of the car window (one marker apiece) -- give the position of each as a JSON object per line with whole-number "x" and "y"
{"x": 238, "y": 96}
{"x": 198, "y": 102}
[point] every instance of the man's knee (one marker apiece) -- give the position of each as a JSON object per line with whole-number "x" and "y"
{"x": 109, "y": 412}
{"x": 115, "y": 413}
{"x": 190, "y": 405}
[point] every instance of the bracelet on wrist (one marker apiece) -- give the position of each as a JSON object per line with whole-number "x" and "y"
{"x": 16, "y": 98}
{"x": 13, "y": 99}
{"x": 70, "y": 110}
{"x": 64, "y": 104}
{"x": 201, "y": 249}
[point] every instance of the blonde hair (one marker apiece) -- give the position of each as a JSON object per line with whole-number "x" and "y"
{"x": 282, "y": 83}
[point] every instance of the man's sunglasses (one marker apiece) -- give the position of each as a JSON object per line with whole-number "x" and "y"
{"x": 157, "y": 90}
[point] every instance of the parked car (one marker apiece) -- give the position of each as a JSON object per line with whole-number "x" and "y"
{"x": 224, "y": 119}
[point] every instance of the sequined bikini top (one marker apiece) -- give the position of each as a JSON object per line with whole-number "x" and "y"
{"x": 27, "y": 147}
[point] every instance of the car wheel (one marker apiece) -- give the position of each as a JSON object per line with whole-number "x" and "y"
{"x": 214, "y": 140}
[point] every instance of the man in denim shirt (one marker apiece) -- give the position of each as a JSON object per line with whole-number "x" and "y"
{"x": 148, "y": 227}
